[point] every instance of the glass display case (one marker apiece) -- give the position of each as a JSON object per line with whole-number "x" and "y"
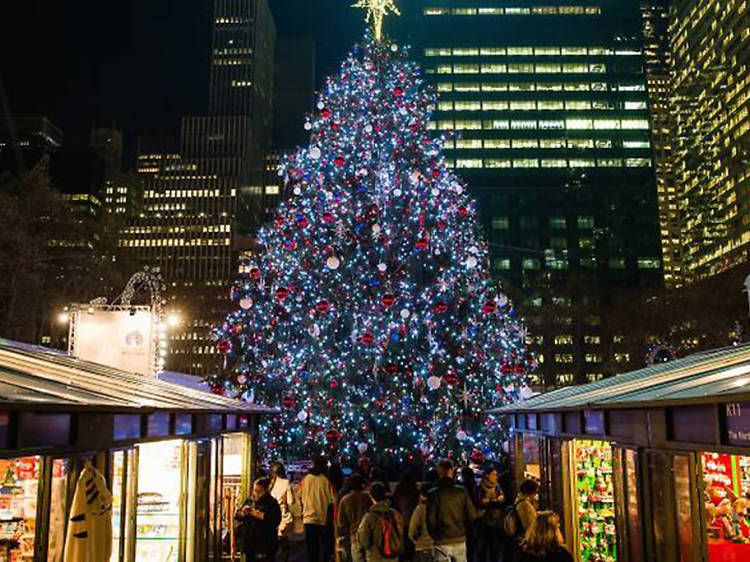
{"x": 159, "y": 501}
{"x": 595, "y": 499}
{"x": 19, "y": 485}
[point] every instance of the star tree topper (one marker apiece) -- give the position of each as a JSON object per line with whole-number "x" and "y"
{"x": 376, "y": 12}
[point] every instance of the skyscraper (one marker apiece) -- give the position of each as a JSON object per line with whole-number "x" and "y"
{"x": 548, "y": 108}
{"x": 656, "y": 52}
{"x": 710, "y": 69}
{"x": 200, "y": 201}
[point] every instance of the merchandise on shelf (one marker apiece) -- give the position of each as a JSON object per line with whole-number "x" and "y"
{"x": 18, "y": 500}
{"x": 596, "y": 501}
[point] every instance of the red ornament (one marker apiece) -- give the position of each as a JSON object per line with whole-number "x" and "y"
{"x": 288, "y": 402}
{"x": 367, "y": 338}
{"x": 422, "y": 244}
{"x": 450, "y": 379}
{"x": 334, "y": 383}
{"x": 255, "y": 273}
{"x": 436, "y": 173}
{"x": 489, "y": 307}
{"x": 391, "y": 368}
{"x": 333, "y": 435}
{"x": 282, "y": 293}
{"x": 463, "y": 211}
{"x": 217, "y": 389}
{"x": 398, "y": 91}
{"x": 303, "y": 222}
{"x": 477, "y": 456}
{"x": 323, "y": 306}
{"x": 224, "y": 346}
{"x": 326, "y": 113}
{"x": 388, "y": 300}
{"x": 440, "y": 308}
{"x": 328, "y": 217}
{"x": 339, "y": 161}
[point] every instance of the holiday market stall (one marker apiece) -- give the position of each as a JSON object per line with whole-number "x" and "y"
{"x": 652, "y": 464}
{"x": 170, "y": 464}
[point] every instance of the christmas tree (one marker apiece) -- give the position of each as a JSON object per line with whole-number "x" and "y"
{"x": 368, "y": 314}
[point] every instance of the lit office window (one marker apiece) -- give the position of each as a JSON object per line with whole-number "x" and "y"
{"x": 563, "y": 339}
{"x": 497, "y": 124}
{"x": 526, "y": 163}
{"x": 521, "y": 86}
{"x": 577, "y": 105}
{"x": 523, "y": 125}
{"x": 571, "y": 68}
{"x": 572, "y": 10}
{"x": 493, "y": 51}
{"x": 598, "y": 68}
{"x": 520, "y": 68}
{"x": 580, "y": 143}
{"x": 502, "y": 264}
{"x": 468, "y": 143}
{"x": 466, "y": 87}
{"x": 465, "y": 68}
{"x": 574, "y": 51}
{"x": 554, "y": 163}
{"x": 524, "y": 143}
{"x": 490, "y": 11}
{"x": 551, "y": 143}
{"x": 576, "y": 86}
{"x": 635, "y": 124}
{"x": 465, "y": 52}
{"x": 464, "y": 11}
{"x": 609, "y": 163}
{"x": 445, "y": 87}
{"x": 468, "y": 125}
{"x": 517, "y": 11}
{"x": 635, "y": 105}
{"x": 436, "y": 11}
{"x": 550, "y": 105}
{"x": 637, "y": 162}
{"x": 582, "y": 163}
{"x": 549, "y": 86}
{"x": 546, "y": 51}
{"x": 523, "y": 105}
{"x": 445, "y": 106}
{"x": 468, "y": 163}
{"x": 500, "y": 223}
{"x": 494, "y": 86}
{"x": 493, "y": 69}
{"x": 444, "y": 69}
{"x": 531, "y": 263}
{"x": 497, "y": 143}
{"x": 636, "y": 144}
{"x": 496, "y": 163}
{"x": 495, "y": 105}
{"x": 552, "y": 124}
{"x": 520, "y": 51}
{"x": 437, "y": 52}
{"x": 548, "y": 68}
{"x": 445, "y": 125}
{"x": 579, "y": 124}
{"x": 649, "y": 263}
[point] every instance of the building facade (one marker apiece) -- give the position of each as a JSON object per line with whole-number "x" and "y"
{"x": 202, "y": 200}
{"x": 546, "y": 107}
{"x": 657, "y": 59}
{"x": 710, "y": 69}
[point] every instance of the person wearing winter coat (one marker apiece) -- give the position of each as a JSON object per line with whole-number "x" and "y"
{"x": 543, "y": 541}
{"x": 418, "y": 533}
{"x": 259, "y": 519}
{"x": 318, "y": 496}
{"x": 282, "y": 492}
{"x": 450, "y": 515}
{"x": 352, "y": 509}
{"x": 491, "y": 501}
{"x": 370, "y": 532}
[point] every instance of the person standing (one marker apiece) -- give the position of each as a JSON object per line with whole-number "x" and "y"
{"x": 468, "y": 482}
{"x": 353, "y": 507}
{"x": 543, "y": 541}
{"x": 405, "y": 499}
{"x": 259, "y": 520}
{"x": 317, "y": 496}
{"x": 282, "y": 492}
{"x": 418, "y": 533}
{"x": 450, "y": 515}
{"x": 379, "y": 533}
{"x": 491, "y": 501}
{"x": 523, "y": 515}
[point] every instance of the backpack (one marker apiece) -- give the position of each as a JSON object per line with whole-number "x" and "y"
{"x": 512, "y": 522}
{"x": 389, "y": 537}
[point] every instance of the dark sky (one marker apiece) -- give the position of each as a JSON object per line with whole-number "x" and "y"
{"x": 136, "y": 64}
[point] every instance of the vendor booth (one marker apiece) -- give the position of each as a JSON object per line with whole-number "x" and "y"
{"x": 648, "y": 465}
{"x": 165, "y": 466}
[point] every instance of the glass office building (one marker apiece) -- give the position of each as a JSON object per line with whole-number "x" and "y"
{"x": 547, "y": 106}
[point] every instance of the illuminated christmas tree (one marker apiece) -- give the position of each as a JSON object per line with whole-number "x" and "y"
{"x": 369, "y": 316}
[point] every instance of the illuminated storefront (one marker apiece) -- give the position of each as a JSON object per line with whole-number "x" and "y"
{"x": 177, "y": 469}
{"x": 649, "y": 465}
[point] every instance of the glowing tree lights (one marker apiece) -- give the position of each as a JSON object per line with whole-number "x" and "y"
{"x": 368, "y": 316}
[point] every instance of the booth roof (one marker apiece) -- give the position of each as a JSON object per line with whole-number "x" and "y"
{"x": 33, "y": 375}
{"x": 710, "y": 376}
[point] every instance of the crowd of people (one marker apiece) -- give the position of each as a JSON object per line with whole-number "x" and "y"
{"x": 448, "y": 518}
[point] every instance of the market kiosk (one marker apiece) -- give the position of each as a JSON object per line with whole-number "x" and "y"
{"x": 177, "y": 461}
{"x": 652, "y": 465}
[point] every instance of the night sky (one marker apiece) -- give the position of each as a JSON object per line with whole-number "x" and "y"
{"x": 138, "y": 65}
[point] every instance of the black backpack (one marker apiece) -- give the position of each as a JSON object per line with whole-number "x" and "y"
{"x": 512, "y": 522}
